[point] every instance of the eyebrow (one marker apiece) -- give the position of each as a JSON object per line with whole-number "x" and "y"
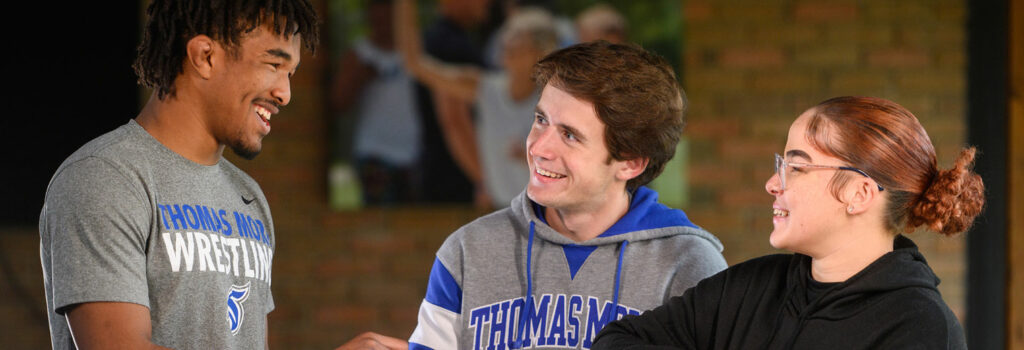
{"x": 279, "y": 53}
{"x": 798, "y": 153}
{"x": 563, "y": 126}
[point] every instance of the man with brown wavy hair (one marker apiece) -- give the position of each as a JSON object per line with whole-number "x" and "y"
{"x": 634, "y": 94}
{"x": 586, "y": 243}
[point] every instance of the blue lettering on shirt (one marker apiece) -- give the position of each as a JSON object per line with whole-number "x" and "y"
{"x": 227, "y": 226}
{"x": 478, "y": 317}
{"x": 243, "y": 226}
{"x": 499, "y": 326}
{"x": 557, "y": 335}
{"x": 575, "y": 306}
{"x": 176, "y": 216}
{"x": 191, "y": 216}
{"x": 555, "y": 321}
{"x": 205, "y": 218}
{"x": 595, "y": 319}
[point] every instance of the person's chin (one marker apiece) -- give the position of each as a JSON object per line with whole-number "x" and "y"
{"x": 776, "y": 240}
{"x": 249, "y": 152}
{"x": 539, "y": 196}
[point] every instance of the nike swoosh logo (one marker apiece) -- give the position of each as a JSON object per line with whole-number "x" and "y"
{"x": 247, "y": 201}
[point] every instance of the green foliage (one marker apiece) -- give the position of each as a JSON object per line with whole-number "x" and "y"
{"x": 654, "y": 24}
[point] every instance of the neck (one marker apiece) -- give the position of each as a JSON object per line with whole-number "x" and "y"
{"x": 585, "y": 224}
{"x": 180, "y": 127}
{"x": 853, "y": 253}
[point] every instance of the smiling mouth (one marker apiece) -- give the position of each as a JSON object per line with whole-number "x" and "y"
{"x": 778, "y": 212}
{"x": 549, "y": 174}
{"x": 263, "y": 113}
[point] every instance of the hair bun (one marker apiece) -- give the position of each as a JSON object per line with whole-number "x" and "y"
{"x": 952, "y": 201}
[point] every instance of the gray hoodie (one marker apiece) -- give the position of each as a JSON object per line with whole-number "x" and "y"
{"x": 480, "y": 296}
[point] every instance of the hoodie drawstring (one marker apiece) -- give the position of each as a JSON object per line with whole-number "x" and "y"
{"x": 528, "y": 308}
{"x": 618, "y": 275}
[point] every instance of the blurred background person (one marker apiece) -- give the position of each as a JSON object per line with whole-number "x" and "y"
{"x": 371, "y": 82}
{"x": 601, "y": 22}
{"x": 447, "y": 135}
{"x": 505, "y": 99}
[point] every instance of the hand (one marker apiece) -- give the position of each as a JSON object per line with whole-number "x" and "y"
{"x": 374, "y": 341}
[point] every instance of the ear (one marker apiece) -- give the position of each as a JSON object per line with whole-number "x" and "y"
{"x": 199, "y": 55}
{"x": 628, "y": 169}
{"x": 860, "y": 195}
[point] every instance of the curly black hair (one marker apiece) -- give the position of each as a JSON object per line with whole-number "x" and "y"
{"x": 173, "y": 22}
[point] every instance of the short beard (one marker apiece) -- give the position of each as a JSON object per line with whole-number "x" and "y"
{"x": 245, "y": 151}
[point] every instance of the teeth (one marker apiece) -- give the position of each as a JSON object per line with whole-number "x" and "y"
{"x": 263, "y": 112}
{"x": 549, "y": 174}
{"x": 780, "y": 212}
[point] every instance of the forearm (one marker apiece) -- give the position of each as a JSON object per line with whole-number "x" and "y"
{"x": 458, "y": 81}
{"x": 664, "y": 327}
{"x": 621, "y": 335}
{"x": 111, "y": 325}
{"x": 459, "y": 134}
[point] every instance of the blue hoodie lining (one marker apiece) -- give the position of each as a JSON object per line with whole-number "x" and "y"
{"x": 576, "y": 255}
{"x": 645, "y": 213}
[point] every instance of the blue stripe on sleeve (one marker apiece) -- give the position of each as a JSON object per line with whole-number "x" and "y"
{"x": 442, "y": 289}
{"x": 414, "y": 346}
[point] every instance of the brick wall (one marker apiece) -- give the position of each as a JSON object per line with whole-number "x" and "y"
{"x": 750, "y": 67}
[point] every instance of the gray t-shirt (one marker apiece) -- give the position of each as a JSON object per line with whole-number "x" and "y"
{"x": 126, "y": 219}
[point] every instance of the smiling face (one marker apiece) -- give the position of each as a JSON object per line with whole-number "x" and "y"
{"x": 248, "y": 87}
{"x": 570, "y": 167}
{"x": 805, "y": 213}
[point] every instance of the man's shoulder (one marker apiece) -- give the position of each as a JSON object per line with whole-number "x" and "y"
{"x": 496, "y": 224}
{"x": 112, "y": 151}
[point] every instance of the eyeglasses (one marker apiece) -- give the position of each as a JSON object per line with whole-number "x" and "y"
{"x": 781, "y": 164}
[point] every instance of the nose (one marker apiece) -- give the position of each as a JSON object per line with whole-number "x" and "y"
{"x": 282, "y": 92}
{"x": 773, "y": 185}
{"x": 538, "y": 143}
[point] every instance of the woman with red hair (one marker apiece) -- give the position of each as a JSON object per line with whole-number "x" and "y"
{"x": 857, "y": 172}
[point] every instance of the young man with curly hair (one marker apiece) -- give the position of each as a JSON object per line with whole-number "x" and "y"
{"x": 149, "y": 237}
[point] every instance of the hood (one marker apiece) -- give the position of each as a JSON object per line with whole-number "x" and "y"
{"x": 646, "y": 219}
{"x": 904, "y": 267}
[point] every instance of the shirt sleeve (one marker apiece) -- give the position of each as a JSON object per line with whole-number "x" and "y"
{"x": 439, "y": 313}
{"x": 94, "y": 227}
{"x": 670, "y": 326}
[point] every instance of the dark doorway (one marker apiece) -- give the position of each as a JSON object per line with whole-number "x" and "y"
{"x": 71, "y": 63}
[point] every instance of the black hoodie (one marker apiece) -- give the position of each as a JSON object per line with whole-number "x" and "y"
{"x": 763, "y": 304}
